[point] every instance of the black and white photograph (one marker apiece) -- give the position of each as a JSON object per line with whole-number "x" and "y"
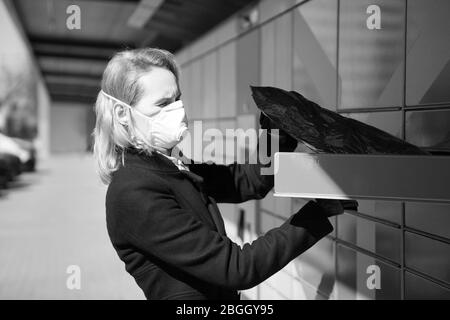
{"x": 238, "y": 152}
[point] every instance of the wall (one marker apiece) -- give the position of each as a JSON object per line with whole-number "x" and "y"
{"x": 69, "y": 127}
{"x": 395, "y": 78}
{"x": 17, "y": 62}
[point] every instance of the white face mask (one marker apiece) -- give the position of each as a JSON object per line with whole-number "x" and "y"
{"x": 164, "y": 129}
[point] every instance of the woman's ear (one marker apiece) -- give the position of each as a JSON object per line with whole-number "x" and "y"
{"x": 120, "y": 113}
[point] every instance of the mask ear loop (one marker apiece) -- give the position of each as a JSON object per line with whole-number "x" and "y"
{"x": 129, "y": 126}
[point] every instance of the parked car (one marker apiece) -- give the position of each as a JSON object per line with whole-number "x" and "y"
{"x": 11, "y": 164}
{"x": 30, "y": 164}
{"x": 19, "y": 149}
{"x": 4, "y": 173}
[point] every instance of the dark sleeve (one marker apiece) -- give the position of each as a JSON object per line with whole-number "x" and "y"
{"x": 233, "y": 183}
{"x": 236, "y": 183}
{"x": 155, "y": 224}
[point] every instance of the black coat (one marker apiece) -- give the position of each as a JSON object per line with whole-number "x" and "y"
{"x": 166, "y": 227}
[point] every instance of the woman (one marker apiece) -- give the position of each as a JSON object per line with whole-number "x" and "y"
{"x": 161, "y": 215}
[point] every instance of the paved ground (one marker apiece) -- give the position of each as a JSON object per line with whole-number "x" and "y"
{"x": 52, "y": 219}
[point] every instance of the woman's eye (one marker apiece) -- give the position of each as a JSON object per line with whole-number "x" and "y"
{"x": 163, "y": 104}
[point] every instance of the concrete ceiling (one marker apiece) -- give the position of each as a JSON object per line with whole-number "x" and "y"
{"x": 72, "y": 61}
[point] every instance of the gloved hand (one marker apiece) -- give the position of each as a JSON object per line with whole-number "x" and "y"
{"x": 286, "y": 142}
{"x": 336, "y": 207}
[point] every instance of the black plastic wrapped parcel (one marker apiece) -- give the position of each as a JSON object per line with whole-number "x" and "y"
{"x": 323, "y": 130}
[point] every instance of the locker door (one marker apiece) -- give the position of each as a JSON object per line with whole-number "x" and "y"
{"x": 428, "y": 52}
{"x": 314, "y": 56}
{"x": 276, "y": 52}
{"x": 248, "y": 73}
{"x": 353, "y": 272}
{"x": 227, "y": 80}
{"x": 371, "y": 60}
{"x": 210, "y": 102}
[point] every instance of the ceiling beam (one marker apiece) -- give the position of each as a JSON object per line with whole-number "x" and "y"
{"x": 71, "y": 54}
{"x": 62, "y": 87}
{"x": 171, "y": 30}
{"x": 71, "y": 65}
{"x": 73, "y": 98}
{"x": 73, "y": 51}
{"x": 111, "y": 45}
{"x": 125, "y": 1}
{"x": 80, "y": 75}
{"x": 72, "y": 81}
{"x": 72, "y": 90}
{"x": 143, "y": 13}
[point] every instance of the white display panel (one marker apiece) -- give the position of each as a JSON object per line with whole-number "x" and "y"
{"x": 351, "y": 176}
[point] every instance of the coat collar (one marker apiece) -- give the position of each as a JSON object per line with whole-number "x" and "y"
{"x": 157, "y": 162}
{"x": 154, "y": 161}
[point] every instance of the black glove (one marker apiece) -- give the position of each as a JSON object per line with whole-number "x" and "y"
{"x": 286, "y": 142}
{"x": 337, "y": 207}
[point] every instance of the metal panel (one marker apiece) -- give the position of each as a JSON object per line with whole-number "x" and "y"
{"x": 267, "y": 292}
{"x": 185, "y": 87}
{"x": 391, "y": 122}
{"x": 283, "y": 207}
{"x": 268, "y": 54}
{"x": 429, "y": 256}
{"x": 283, "y": 51}
{"x": 429, "y": 129}
{"x": 269, "y": 8}
{"x": 386, "y": 210}
{"x": 316, "y": 267}
{"x": 371, "y": 60}
{"x": 314, "y": 52}
{"x": 428, "y": 52}
{"x": 375, "y": 237}
{"x": 276, "y": 52}
{"x": 227, "y": 80}
{"x": 431, "y": 218}
{"x": 226, "y": 31}
{"x": 419, "y": 288}
{"x": 208, "y": 41}
{"x": 229, "y": 214}
{"x": 210, "y": 103}
{"x": 301, "y": 290}
{"x": 196, "y": 89}
{"x": 281, "y": 282}
{"x": 181, "y": 56}
{"x": 268, "y": 202}
{"x": 279, "y": 206}
{"x": 268, "y": 222}
{"x": 250, "y": 227}
{"x": 342, "y": 176}
{"x": 353, "y": 277}
{"x": 248, "y": 73}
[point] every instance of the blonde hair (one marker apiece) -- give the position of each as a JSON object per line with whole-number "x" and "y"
{"x": 121, "y": 81}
